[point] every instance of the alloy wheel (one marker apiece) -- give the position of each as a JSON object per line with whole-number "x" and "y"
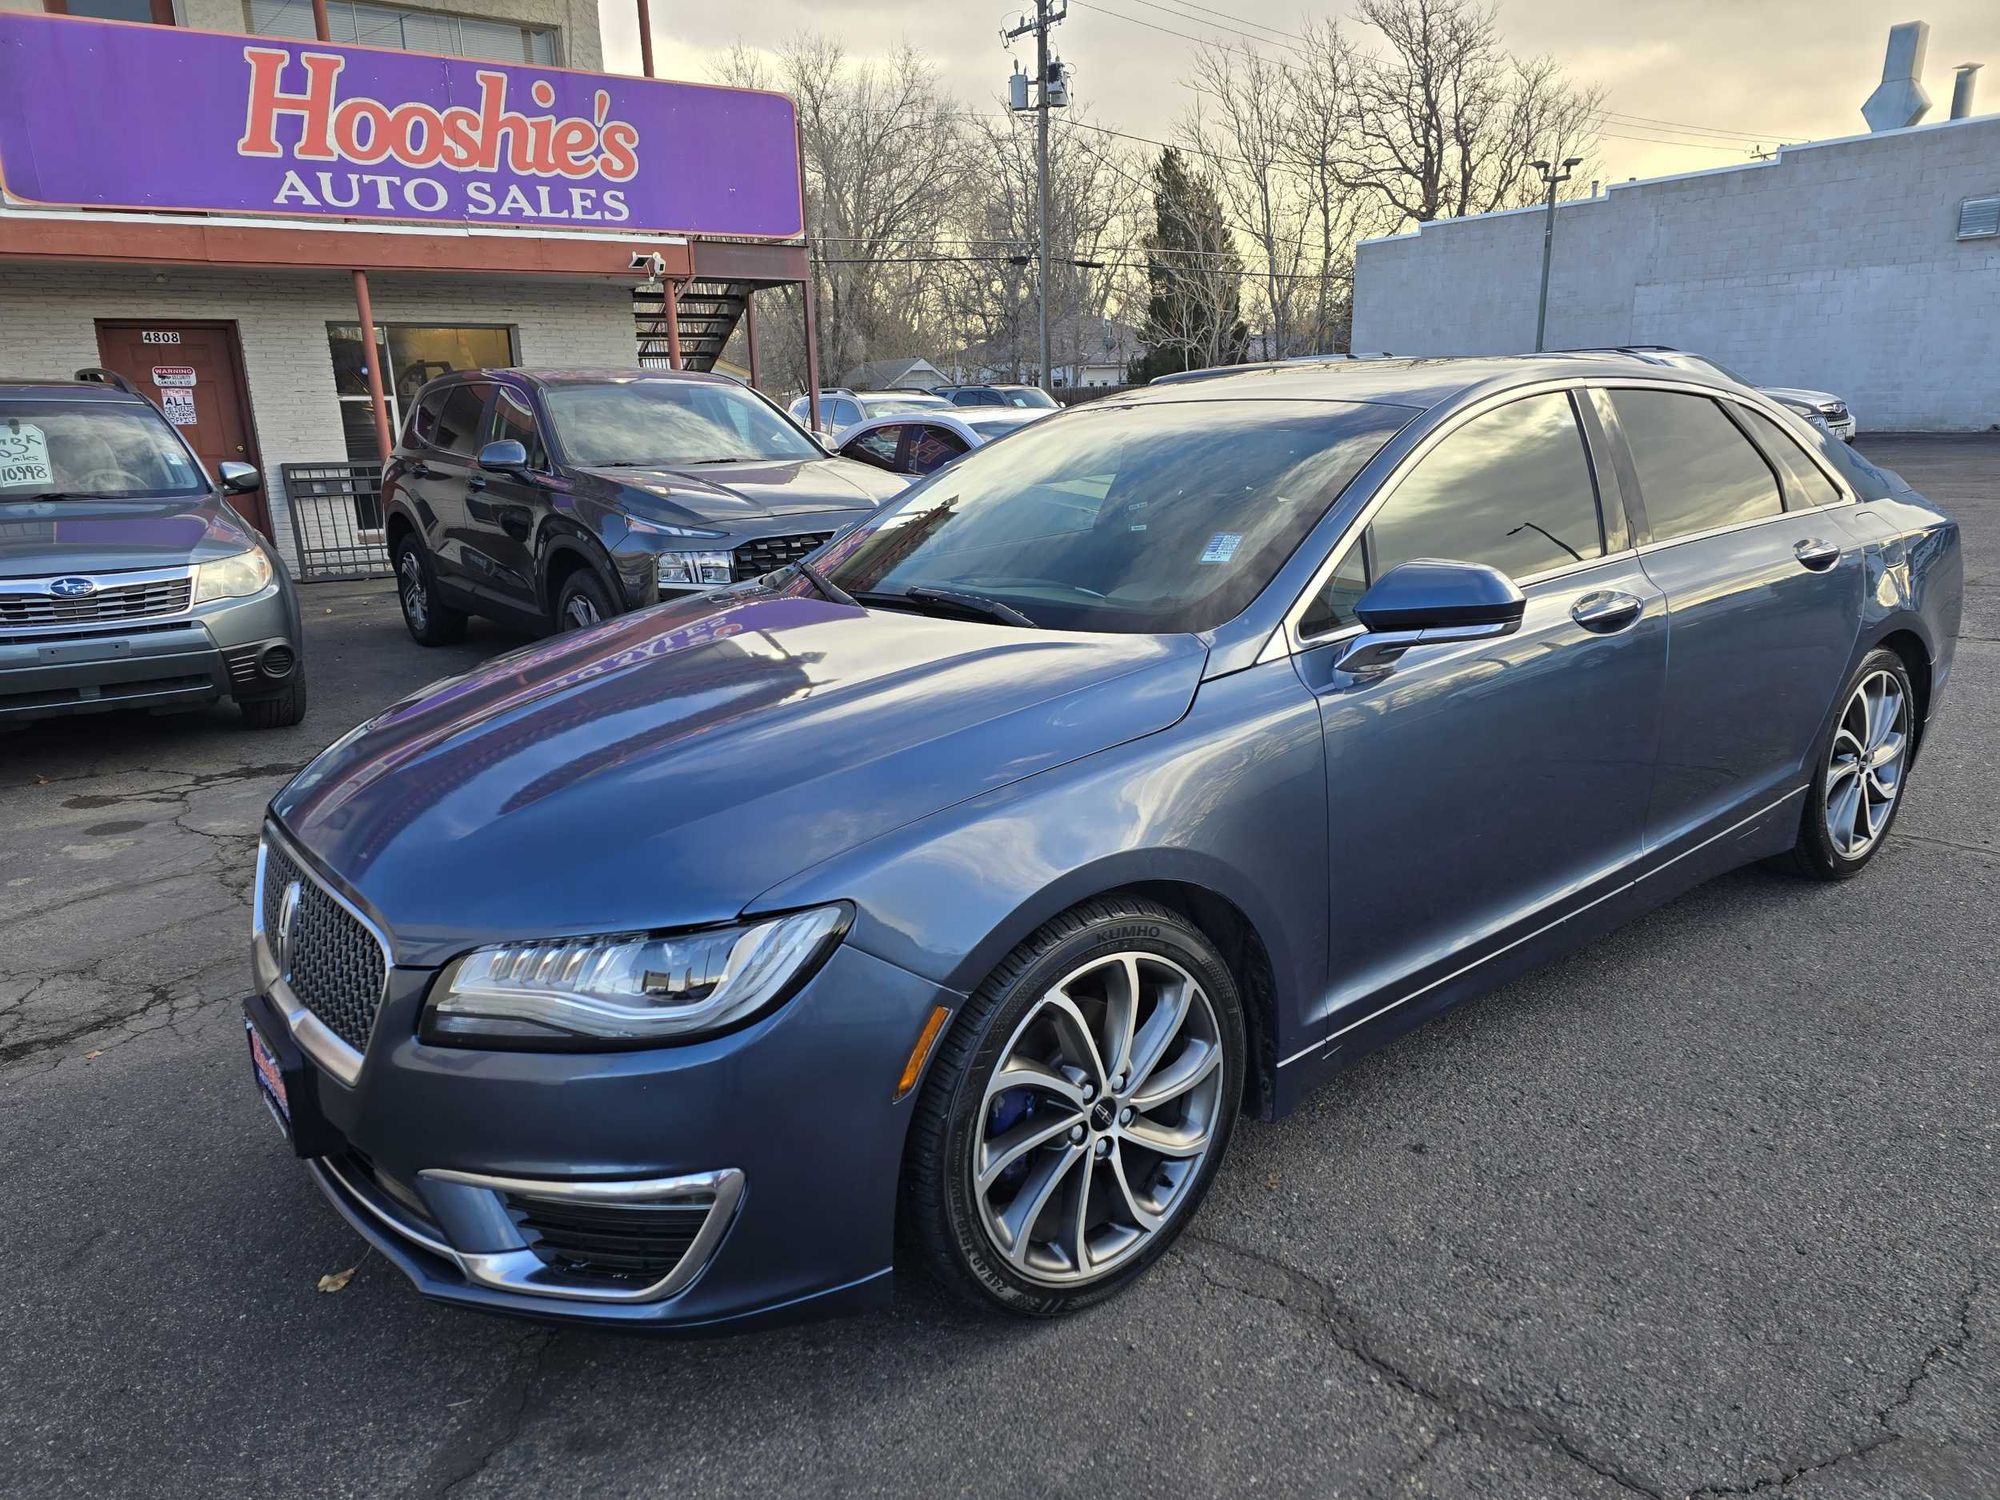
{"x": 579, "y": 612}
{"x": 1097, "y": 1117}
{"x": 416, "y": 598}
{"x": 1865, "y": 767}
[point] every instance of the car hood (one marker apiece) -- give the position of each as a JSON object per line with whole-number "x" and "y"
{"x": 1798, "y": 393}
{"x": 755, "y": 488}
{"x": 666, "y": 767}
{"x": 39, "y": 538}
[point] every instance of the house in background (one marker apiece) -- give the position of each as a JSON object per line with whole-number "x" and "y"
{"x": 895, "y": 374}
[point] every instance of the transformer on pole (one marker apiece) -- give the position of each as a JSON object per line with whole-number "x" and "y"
{"x": 1051, "y": 87}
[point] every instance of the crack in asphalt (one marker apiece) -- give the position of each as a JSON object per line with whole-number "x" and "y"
{"x": 509, "y": 1414}
{"x": 1462, "y": 1404}
{"x": 1875, "y": 1442}
{"x": 1466, "y": 1407}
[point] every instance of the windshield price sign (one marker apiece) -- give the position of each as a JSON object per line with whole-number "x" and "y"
{"x": 24, "y": 456}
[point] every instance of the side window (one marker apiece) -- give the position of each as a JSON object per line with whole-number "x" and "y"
{"x": 1696, "y": 469}
{"x": 1512, "y": 489}
{"x": 424, "y": 419}
{"x": 933, "y": 447}
{"x": 1333, "y": 607}
{"x": 845, "y": 412}
{"x": 877, "y": 447}
{"x": 1806, "y": 483}
{"x": 459, "y": 413}
{"x": 513, "y": 419}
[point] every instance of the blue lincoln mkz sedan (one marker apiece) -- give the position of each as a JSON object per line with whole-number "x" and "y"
{"x": 969, "y": 878}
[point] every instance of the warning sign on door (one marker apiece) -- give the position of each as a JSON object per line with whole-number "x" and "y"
{"x": 173, "y": 374}
{"x": 179, "y": 407}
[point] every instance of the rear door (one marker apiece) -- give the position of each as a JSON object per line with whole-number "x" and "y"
{"x": 1524, "y": 760}
{"x": 1764, "y": 601}
{"x": 880, "y": 446}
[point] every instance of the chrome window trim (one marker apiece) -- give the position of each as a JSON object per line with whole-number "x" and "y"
{"x": 313, "y": 1035}
{"x": 1287, "y": 640}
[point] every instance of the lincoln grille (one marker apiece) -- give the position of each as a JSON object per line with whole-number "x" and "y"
{"x": 129, "y": 601}
{"x": 637, "y": 1242}
{"x": 769, "y": 553}
{"x": 336, "y": 968}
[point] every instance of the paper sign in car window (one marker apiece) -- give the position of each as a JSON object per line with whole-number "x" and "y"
{"x": 24, "y": 457}
{"x": 1221, "y": 547}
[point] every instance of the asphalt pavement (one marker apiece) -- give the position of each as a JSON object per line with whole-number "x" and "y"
{"x": 1711, "y": 1207}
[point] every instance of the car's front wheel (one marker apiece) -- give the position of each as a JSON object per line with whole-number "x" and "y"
{"x": 1078, "y": 1109}
{"x": 583, "y": 601}
{"x": 1857, "y": 784}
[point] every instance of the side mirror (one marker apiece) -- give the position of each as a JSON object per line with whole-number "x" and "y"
{"x": 503, "y": 456}
{"x": 238, "y": 478}
{"x": 1429, "y": 600}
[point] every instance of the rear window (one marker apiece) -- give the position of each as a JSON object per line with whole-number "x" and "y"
{"x": 1141, "y": 519}
{"x": 91, "y": 450}
{"x": 1806, "y": 484}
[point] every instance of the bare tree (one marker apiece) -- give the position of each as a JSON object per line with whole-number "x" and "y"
{"x": 1446, "y": 122}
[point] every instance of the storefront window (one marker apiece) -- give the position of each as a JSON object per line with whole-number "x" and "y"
{"x": 412, "y": 355}
{"x": 155, "y": 12}
{"x": 408, "y": 30}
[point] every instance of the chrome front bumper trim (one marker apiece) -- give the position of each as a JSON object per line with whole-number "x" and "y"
{"x": 507, "y": 1264}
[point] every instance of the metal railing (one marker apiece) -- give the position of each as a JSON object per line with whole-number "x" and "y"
{"x": 336, "y": 511}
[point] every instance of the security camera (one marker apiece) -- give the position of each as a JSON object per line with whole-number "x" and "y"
{"x": 651, "y": 262}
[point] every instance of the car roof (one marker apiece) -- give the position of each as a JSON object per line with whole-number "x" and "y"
{"x": 607, "y": 375}
{"x": 1423, "y": 383}
{"x": 66, "y": 390}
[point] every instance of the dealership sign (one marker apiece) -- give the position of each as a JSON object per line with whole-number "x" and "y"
{"x": 99, "y": 114}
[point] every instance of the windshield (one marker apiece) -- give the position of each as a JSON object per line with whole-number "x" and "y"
{"x": 91, "y": 449}
{"x": 1140, "y": 519}
{"x": 666, "y": 423}
{"x": 1029, "y": 396}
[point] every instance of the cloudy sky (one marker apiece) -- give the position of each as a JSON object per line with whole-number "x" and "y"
{"x": 1690, "y": 83}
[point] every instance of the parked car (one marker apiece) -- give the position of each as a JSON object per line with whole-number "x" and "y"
{"x": 1821, "y": 408}
{"x": 555, "y": 499}
{"x": 919, "y": 442}
{"x": 127, "y": 580}
{"x": 841, "y": 410}
{"x": 1027, "y": 397}
{"x": 1140, "y": 770}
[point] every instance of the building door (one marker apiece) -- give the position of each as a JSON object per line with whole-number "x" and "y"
{"x": 194, "y": 373}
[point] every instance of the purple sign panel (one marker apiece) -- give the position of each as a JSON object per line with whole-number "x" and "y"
{"x": 98, "y": 114}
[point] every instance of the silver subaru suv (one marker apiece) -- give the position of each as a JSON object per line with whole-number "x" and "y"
{"x": 127, "y": 580}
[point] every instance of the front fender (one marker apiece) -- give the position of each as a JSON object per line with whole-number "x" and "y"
{"x": 559, "y": 540}
{"x": 1230, "y": 799}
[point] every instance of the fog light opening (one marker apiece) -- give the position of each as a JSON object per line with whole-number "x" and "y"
{"x": 278, "y": 660}
{"x": 927, "y": 1041}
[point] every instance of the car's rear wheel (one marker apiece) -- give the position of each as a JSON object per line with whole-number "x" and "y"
{"x": 583, "y": 601}
{"x": 1858, "y": 784}
{"x": 430, "y": 621}
{"x": 1078, "y": 1110}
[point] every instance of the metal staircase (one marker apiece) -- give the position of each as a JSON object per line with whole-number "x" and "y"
{"x": 709, "y": 312}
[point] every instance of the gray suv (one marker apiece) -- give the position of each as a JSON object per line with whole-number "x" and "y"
{"x": 126, "y": 578}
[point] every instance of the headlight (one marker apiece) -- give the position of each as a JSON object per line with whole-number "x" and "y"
{"x": 694, "y": 569}
{"x": 631, "y": 989}
{"x": 234, "y": 577}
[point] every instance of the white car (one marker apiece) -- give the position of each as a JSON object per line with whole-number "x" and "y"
{"x": 917, "y": 442}
{"x": 842, "y": 410}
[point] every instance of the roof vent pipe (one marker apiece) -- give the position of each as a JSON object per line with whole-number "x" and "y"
{"x": 1899, "y": 99}
{"x": 1961, "y": 90}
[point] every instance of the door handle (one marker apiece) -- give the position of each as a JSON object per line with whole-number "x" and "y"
{"x": 476, "y": 482}
{"x": 1606, "y": 611}
{"x": 1816, "y": 554}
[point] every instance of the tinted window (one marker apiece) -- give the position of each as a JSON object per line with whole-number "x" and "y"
{"x": 877, "y": 447}
{"x": 1696, "y": 470}
{"x": 1511, "y": 489}
{"x": 933, "y": 448}
{"x": 977, "y": 398}
{"x": 460, "y": 409}
{"x": 1806, "y": 483}
{"x": 424, "y": 419}
{"x": 640, "y": 423}
{"x": 1166, "y": 517}
{"x": 513, "y": 419}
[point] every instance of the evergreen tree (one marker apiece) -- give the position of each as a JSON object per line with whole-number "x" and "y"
{"x": 1193, "y": 277}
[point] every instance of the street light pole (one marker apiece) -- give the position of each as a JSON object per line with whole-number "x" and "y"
{"x": 1554, "y": 179}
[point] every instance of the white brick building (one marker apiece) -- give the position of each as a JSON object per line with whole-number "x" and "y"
{"x": 1838, "y": 265}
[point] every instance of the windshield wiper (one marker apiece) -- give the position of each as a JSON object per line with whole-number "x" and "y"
{"x": 727, "y": 458}
{"x": 827, "y": 587}
{"x": 66, "y": 495}
{"x": 956, "y": 599}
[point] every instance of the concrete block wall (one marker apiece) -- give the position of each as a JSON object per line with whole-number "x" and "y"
{"x": 281, "y": 317}
{"x": 1834, "y": 266}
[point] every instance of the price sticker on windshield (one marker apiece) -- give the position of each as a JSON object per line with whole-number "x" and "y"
{"x": 1221, "y": 547}
{"x": 24, "y": 457}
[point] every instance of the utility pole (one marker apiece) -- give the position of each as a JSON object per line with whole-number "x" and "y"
{"x": 1050, "y": 91}
{"x": 1554, "y": 179}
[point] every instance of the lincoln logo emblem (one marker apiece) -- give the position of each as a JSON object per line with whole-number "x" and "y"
{"x": 288, "y": 915}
